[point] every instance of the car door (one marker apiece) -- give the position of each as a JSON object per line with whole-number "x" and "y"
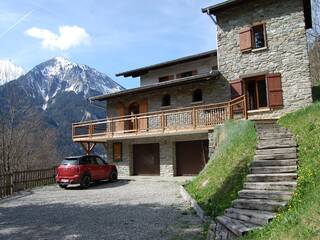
{"x": 94, "y": 168}
{"x": 105, "y": 168}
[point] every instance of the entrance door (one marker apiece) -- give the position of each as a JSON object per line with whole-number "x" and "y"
{"x": 146, "y": 159}
{"x": 191, "y": 156}
{"x": 256, "y": 89}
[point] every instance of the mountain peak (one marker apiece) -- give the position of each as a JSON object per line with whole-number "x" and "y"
{"x": 9, "y": 71}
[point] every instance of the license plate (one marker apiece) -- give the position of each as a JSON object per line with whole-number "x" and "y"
{"x": 64, "y": 180}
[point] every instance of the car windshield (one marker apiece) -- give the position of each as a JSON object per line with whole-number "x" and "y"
{"x": 71, "y": 161}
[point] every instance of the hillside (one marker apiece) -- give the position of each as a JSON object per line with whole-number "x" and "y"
{"x": 58, "y": 90}
{"x": 219, "y": 182}
{"x": 302, "y": 217}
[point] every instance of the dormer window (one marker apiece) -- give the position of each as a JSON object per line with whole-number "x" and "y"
{"x": 187, "y": 74}
{"x": 166, "y": 78}
{"x": 253, "y": 37}
{"x": 197, "y": 95}
{"x": 166, "y": 100}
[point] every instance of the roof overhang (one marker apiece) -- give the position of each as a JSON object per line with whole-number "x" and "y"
{"x": 221, "y": 6}
{"x": 141, "y": 71}
{"x": 171, "y": 83}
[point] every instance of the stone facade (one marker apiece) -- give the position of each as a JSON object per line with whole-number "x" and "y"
{"x": 286, "y": 51}
{"x": 167, "y": 152}
{"x": 213, "y": 91}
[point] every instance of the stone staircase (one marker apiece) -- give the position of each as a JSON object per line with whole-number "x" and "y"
{"x": 269, "y": 186}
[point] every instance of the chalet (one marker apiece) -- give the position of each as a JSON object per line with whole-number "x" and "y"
{"x": 259, "y": 71}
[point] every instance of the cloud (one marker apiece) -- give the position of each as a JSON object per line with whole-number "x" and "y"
{"x": 68, "y": 37}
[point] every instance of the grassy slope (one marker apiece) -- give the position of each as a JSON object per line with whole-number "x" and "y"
{"x": 301, "y": 220}
{"x": 218, "y": 183}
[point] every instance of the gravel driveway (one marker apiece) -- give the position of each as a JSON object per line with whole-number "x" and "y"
{"x": 139, "y": 208}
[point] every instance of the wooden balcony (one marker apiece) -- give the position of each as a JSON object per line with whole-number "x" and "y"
{"x": 170, "y": 122}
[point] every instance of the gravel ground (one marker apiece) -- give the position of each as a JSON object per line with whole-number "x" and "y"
{"x": 137, "y": 208}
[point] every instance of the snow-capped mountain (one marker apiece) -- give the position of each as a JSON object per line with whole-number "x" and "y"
{"x": 57, "y": 90}
{"x": 58, "y": 75}
{"x": 9, "y": 71}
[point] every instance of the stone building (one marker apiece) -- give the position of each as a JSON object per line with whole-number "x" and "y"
{"x": 260, "y": 70}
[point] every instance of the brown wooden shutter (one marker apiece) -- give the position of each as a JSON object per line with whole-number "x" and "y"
{"x": 171, "y": 77}
{"x": 117, "y": 152}
{"x": 236, "y": 87}
{"x": 143, "y": 108}
{"x": 274, "y": 90}
{"x": 245, "y": 39}
{"x": 194, "y": 72}
{"x": 119, "y": 125}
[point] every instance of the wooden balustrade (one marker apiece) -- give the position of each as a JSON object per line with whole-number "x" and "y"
{"x": 182, "y": 119}
{"x": 21, "y": 180}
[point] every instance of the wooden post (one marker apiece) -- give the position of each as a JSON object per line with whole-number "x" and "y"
{"x": 162, "y": 122}
{"x": 194, "y": 117}
{"x": 245, "y": 107}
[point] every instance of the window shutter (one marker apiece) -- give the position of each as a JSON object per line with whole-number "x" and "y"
{"x": 171, "y": 77}
{"x": 274, "y": 90}
{"x": 245, "y": 39}
{"x": 143, "y": 108}
{"x": 117, "y": 152}
{"x": 194, "y": 72}
{"x": 236, "y": 87}
{"x": 119, "y": 125}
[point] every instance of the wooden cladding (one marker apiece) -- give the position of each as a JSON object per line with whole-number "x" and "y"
{"x": 120, "y": 112}
{"x": 143, "y": 108}
{"x": 274, "y": 90}
{"x": 117, "y": 152}
{"x": 245, "y": 39}
{"x": 236, "y": 88}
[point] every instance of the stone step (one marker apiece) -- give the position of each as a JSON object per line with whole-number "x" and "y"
{"x": 265, "y": 194}
{"x": 271, "y": 177}
{"x": 280, "y": 141}
{"x": 269, "y": 163}
{"x": 275, "y": 145}
{"x": 273, "y": 169}
{"x": 279, "y": 156}
{"x": 238, "y": 227}
{"x": 285, "y": 186}
{"x": 276, "y": 151}
{"x": 251, "y": 216}
{"x": 265, "y": 136}
{"x": 259, "y": 204}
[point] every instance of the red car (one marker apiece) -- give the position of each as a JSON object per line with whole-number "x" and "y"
{"x": 83, "y": 170}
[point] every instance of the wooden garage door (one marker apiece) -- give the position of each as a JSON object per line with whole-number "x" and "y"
{"x": 191, "y": 157}
{"x": 146, "y": 160}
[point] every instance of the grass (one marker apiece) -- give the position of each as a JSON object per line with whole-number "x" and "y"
{"x": 219, "y": 182}
{"x": 301, "y": 219}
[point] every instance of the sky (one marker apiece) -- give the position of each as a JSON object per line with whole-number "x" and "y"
{"x": 109, "y": 35}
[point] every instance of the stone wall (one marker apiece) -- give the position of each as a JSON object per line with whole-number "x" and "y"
{"x": 213, "y": 91}
{"x": 167, "y": 152}
{"x": 286, "y": 52}
{"x": 202, "y": 66}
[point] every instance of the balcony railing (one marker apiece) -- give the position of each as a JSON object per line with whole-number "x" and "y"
{"x": 200, "y": 117}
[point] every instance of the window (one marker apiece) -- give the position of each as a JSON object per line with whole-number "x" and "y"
{"x": 256, "y": 89}
{"x": 117, "y": 152}
{"x": 197, "y": 95}
{"x": 100, "y": 161}
{"x": 166, "y": 78}
{"x": 166, "y": 100}
{"x": 187, "y": 74}
{"x": 253, "y": 37}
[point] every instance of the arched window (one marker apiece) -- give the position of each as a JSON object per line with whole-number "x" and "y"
{"x": 197, "y": 95}
{"x": 166, "y": 100}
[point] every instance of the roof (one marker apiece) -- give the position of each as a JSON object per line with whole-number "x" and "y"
{"x": 221, "y": 6}
{"x": 231, "y": 3}
{"x": 141, "y": 71}
{"x": 171, "y": 83}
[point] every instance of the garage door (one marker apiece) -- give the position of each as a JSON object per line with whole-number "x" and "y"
{"x": 146, "y": 159}
{"x": 191, "y": 157}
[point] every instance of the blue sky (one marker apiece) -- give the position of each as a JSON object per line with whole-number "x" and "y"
{"x": 111, "y": 36}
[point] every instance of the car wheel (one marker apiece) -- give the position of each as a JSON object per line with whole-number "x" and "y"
{"x": 113, "y": 176}
{"x": 85, "y": 181}
{"x": 64, "y": 186}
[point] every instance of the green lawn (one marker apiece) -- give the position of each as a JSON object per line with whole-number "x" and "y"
{"x": 301, "y": 220}
{"x": 219, "y": 182}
